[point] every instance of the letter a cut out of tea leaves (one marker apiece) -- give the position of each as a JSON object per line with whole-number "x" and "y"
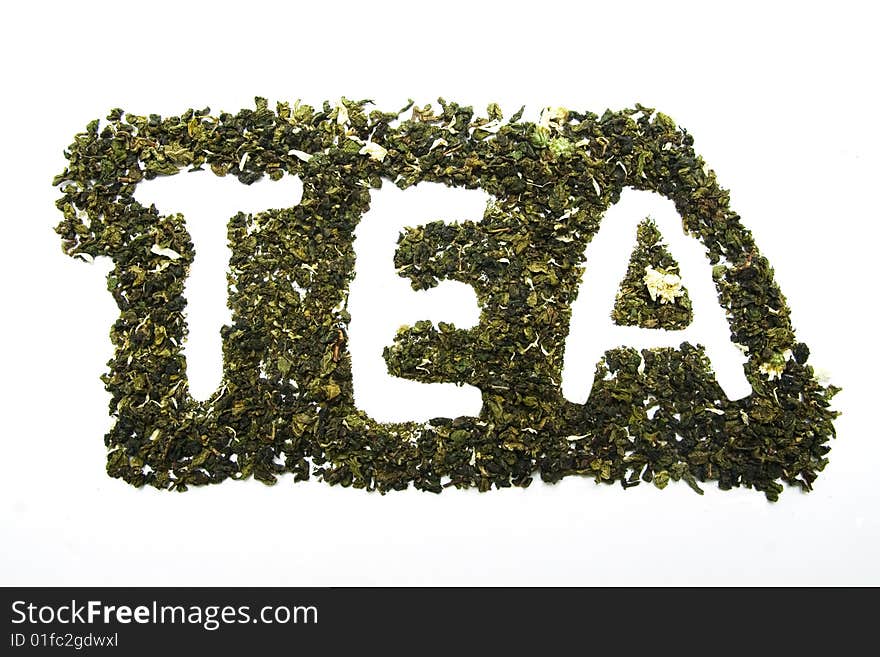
{"x": 285, "y": 403}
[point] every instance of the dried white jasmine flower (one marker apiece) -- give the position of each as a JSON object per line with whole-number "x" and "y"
{"x": 341, "y": 114}
{"x": 164, "y": 252}
{"x": 552, "y": 115}
{"x": 663, "y": 285}
{"x": 774, "y": 368}
{"x": 374, "y": 150}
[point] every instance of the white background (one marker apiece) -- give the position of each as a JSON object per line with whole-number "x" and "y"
{"x": 781, "y": 99}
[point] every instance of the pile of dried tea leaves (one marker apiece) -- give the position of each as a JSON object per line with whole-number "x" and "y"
{"x": 286, "y": 404}
{"x": 651, "y": 294}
